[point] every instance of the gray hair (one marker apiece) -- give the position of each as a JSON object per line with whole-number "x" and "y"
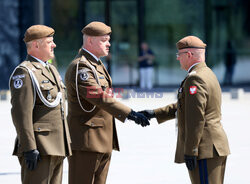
{"x": 28, "y": 44}
{"x": 198, "y": 54}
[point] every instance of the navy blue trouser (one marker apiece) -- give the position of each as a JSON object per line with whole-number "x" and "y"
{"x": 209, "y": 171}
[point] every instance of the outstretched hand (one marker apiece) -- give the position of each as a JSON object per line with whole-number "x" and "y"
{"x": 138, "y": 118}
{"x": 148, "y": 113}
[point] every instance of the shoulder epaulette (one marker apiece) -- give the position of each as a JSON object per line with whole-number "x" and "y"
{"x": 192, "y": 73}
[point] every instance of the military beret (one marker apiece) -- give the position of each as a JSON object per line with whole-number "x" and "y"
{"x": 38, "y": 31}
{"x": 96, "y": 29}
{"x": 190, "y": 42}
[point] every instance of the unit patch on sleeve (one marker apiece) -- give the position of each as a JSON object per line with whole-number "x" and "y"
{"x": 83, "y": 74}
{"x": 18, "y": 83}
{"x": 192, "y": 90}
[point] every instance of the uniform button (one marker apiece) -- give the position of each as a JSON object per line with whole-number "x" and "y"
{"x": 39, "y": 129}
{"x": 92, "y": 124}
{"x": 41, "y": 85}
{"x": 119, "y": 116}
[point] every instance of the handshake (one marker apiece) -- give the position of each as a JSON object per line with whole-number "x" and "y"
{"x": 141, "y": 117}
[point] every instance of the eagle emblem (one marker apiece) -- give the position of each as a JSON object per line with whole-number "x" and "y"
{"x": 192, "y": 90}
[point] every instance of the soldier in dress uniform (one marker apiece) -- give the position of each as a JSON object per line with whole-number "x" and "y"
{"x": 202, "y": 143}
{"x": 92, "y": 109}
{"x": 38, "y": 111}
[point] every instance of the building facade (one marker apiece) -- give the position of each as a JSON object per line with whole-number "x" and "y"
{"x": 160, "y": 23}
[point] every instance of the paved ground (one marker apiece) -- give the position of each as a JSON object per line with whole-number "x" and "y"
{"x": 147, "y": 154}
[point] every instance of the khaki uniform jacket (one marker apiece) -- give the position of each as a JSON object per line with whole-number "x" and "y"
{"x": 38, "y": 126}
{"x": 92, "y": 131}
{"x": 199, "y": 116}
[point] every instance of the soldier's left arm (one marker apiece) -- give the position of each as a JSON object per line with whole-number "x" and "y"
{"x": 22, "y": 100}
{"x": 195, "y": 105}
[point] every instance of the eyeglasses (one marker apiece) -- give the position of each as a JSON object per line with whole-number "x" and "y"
{"x": 179, "y": 53}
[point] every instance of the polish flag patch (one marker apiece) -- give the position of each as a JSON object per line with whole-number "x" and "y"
{"x": 192, "y": 90}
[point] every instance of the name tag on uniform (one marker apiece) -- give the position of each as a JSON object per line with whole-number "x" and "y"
{"x": 45, "y": 81}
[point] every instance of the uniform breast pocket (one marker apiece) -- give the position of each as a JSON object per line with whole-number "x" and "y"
{"x": 104, "y": 83}
{"x": 95, "y": 123}
{"x": 49, "y": 91}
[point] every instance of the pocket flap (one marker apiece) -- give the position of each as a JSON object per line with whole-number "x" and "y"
{"x": 46, "y": 86}
{"x": 96, "y": 122}
{"x": 42, "y": 127}
{"x": 103, "y": 81}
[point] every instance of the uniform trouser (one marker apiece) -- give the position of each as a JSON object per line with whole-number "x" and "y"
{"x": 48, "y": 171}
{"x": 209, "y": 171}
{"x": 146, "y": 77}
{"x": 88, "y": 167}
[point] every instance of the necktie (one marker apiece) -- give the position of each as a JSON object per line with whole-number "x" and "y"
{"x": 47, "y": 67}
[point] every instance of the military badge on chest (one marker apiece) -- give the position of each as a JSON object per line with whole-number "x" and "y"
{"x": 49, "y": 97}
{"x": 83, "y": 74}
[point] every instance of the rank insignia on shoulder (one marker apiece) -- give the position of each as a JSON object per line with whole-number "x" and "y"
{"x": 192, "y": 90}
{"x": 192, "y": 73}
{"x": 18, "y": 83}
